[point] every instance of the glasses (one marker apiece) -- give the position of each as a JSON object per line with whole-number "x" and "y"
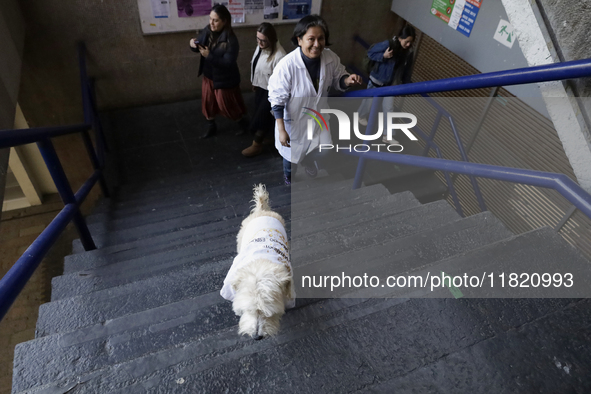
{"x": 262, "y": 41}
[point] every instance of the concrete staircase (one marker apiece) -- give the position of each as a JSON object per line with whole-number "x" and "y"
{"x": 143, "y": 313}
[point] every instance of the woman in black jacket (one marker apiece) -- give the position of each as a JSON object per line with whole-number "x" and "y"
{"x": 220, "y": 89}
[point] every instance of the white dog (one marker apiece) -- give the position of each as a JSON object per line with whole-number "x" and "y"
{"x": 260, "y": 280}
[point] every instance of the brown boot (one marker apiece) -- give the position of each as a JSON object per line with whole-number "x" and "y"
{"x": 253, "y": 150}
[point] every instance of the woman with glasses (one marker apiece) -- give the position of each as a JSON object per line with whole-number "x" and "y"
{"x": 220, "y": 89}
{"x": 266, "y": 56}
{"x": 393, "y": 62}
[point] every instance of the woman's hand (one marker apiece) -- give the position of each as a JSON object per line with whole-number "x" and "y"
{"x": 353, "y": 79}
{"x": 283, "y": 136}
{"x": 192, "y": 43}
{"x": 204, "y": 51}
{"x": 389, "y": 53}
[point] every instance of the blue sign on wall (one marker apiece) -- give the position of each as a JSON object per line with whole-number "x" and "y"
{"x": 468, "y": 17}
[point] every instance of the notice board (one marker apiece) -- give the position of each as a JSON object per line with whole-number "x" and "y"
{"x": 166, "y": 16}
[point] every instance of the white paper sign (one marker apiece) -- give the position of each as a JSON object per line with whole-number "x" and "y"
{"x": 160, "y": 8}
{"x": 505, "y": 34}
{"x": 456, "y": 15}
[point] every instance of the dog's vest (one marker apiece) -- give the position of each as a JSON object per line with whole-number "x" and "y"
{"x": 264, "y": 238}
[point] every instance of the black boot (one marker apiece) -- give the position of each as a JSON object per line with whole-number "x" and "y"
{"x": 244, "y": 124}
{"x": 211, "y": 129}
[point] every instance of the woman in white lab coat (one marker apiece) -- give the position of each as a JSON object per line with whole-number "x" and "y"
{"x": 302, "y": 79}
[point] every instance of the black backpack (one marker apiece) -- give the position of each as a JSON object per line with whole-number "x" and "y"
{"x": 367, "y": 64}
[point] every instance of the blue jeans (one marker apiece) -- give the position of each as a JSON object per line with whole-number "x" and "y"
{"x": 366, "y": 104}
{"x": 308, "y": 161}
{"x": 288, "y": 167}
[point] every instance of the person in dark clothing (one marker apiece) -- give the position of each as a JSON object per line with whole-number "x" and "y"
{"x": 220, "y": 89}
{"x": 393, "y": 65}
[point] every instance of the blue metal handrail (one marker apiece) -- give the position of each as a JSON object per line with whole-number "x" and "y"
{"x": 430, "y": 141}
{"x": 459, "y": 143}
{"x": 373, "y": 114}
{"x": 520, "y": 76}
{"x": 559, "y": 182}
{"x": 16, "y": 278}
{"x": 545, "y": 73}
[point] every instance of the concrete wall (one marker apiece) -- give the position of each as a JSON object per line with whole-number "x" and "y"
{"x": 11, "y": 41}
{"x": 133, "y": 69}
{"x": 569, "y": 25}
{"x": 480, "y": 49}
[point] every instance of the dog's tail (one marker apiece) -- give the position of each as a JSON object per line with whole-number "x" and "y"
{"x": 260, "y": 198}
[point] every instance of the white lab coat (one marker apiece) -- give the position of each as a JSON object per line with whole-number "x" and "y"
{"x": 264, "y": 68}
{"x": 291, "y": 86}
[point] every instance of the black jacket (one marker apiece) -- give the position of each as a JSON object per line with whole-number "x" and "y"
{"x": 220, "y": 66}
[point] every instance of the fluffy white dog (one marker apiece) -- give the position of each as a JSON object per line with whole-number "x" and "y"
{"x": 260, "y": 280}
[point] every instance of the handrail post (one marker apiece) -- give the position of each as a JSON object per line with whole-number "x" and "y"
{"x": 373, "y": 115}
{"x": 432, "y": 135}
{"x": 569, "y": 213}
{"x": 63, "y": 186}
{"x": 97, "y": 120}
{"x": 465, "y": 158}
{"x": 95, "y": 161}
{"x": 84, "y": 83}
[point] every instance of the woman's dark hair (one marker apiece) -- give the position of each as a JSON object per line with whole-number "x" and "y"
{"x": 399, "y": 52}
{"x": 224, "y": 15}
{"x": 268, "y": 31}
{"x": 307, "y": 22}
{"x": 407, "y": 31}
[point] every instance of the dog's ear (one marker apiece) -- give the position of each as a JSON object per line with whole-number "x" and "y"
{"x": 287, "y": 287}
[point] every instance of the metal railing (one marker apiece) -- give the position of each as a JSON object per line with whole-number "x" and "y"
{"x": 16, "y": 278}
{"x": 430, "y": 141}
{"x": 559, "y": 182}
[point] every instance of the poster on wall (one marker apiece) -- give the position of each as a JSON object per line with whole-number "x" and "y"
{"x": 189, "y": 8}
{"x": 460, "y": 15}
{"x": 160, "y": 8}
{"x": 253, "y": 6}
{"x": 296, "y": 9}
{"x": 271, "y": 9}
{"x": 236, "y": 8}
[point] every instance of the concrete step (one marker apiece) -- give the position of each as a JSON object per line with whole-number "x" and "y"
{"x": 182, "y": 198}
{"x": 374, "y": 330}
{"x": 240, "y": 201}
{"x": 544, "y": 355}
{"x": 538, "y": 251}
{"x": 197, "y": 177}
{"x": 207, "y": 319}
{"x": 190, "y": 237}
{"x": 73, "y": 313}
{"x": 109, "y": 236}
{"x": 303, "y": 224}
{"x": 384, "y": 256}
{"x": 322, "y": 202}
{"x": 222, "y": 186}
{"x": 173, "y": 225}
{"x": 74, "y": 310}
{"x": 339, "y": 240}
{"x": 128, "y": 271}
{"x": 426, "y": 188}
{"x": 361, "y": 325}
{"x": 136, "y": 249}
